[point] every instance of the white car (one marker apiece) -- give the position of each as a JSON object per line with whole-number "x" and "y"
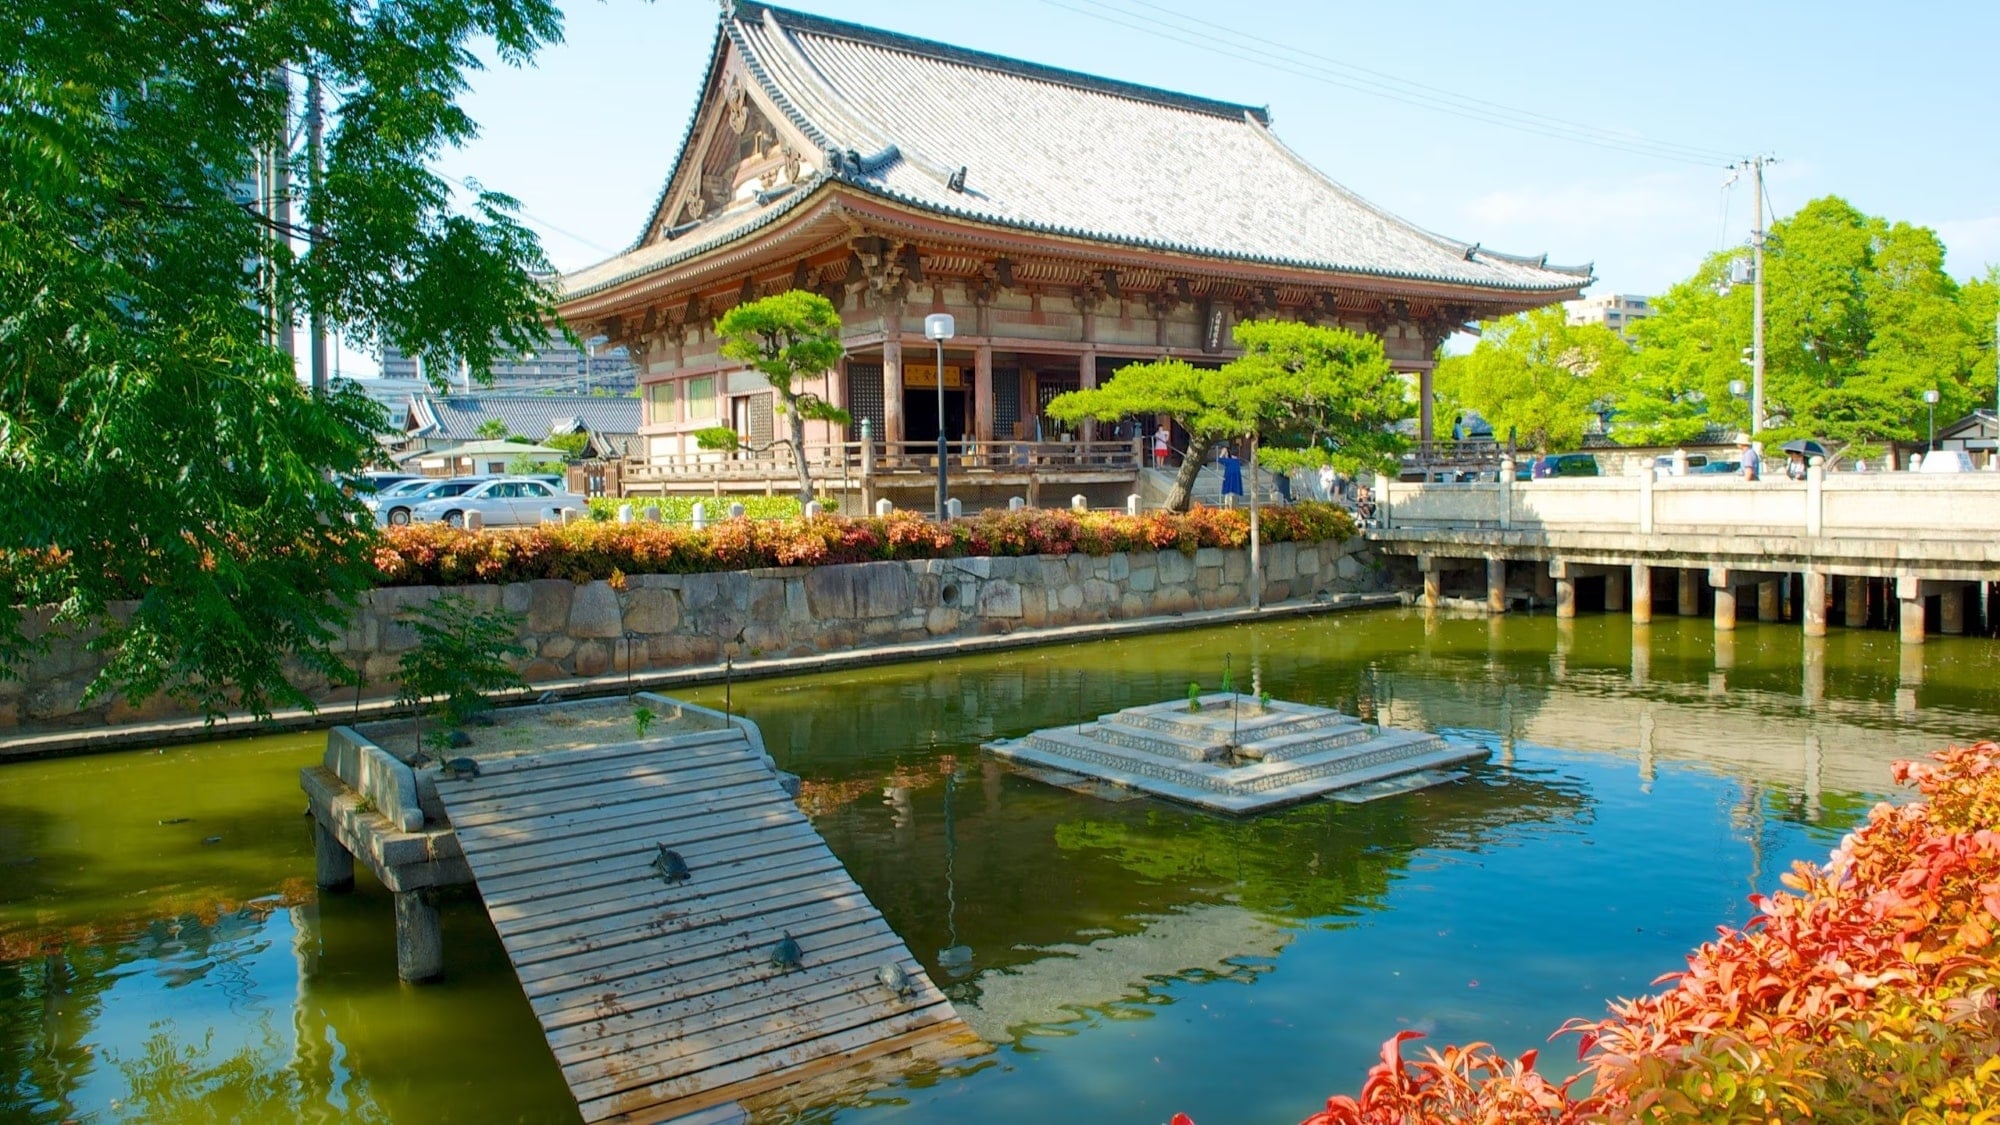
{"x": 501, "y": 502}
{"x": 1946, "y": 461}
{"x": 393, "y": 505}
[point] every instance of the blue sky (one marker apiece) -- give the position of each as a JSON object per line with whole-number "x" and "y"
{"x": 1894, "y": 108}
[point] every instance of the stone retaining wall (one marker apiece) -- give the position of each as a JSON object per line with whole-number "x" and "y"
{"x": 663, "y": 621}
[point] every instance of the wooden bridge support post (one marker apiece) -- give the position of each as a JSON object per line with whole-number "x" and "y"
{"x": 1688, "y": 600}
{"x": 1813, "y": 609}
{"x": 1614, "y": 591}
{"x": 1565, "y": 589}
{"x": 333, "y": 864}
{"x": 1767, "y": 600}
{"x": 1642, "y": 593}
{"x": 1725, "y": 598}
{"x": 419, "y": 938}
{"x": 1855, "y": 614}
{"x": 1496, "y": 585}
{"x": 1910, "y": 595}
{"x": 1951, "y": 609}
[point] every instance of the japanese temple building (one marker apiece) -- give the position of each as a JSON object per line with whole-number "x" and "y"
{"x": 1071, "y": 224}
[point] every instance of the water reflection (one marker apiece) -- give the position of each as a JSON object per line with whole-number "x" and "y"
{"x": 1126, "y": 954}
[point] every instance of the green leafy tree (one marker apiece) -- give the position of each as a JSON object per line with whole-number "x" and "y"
{"x": 1318, "y": 393}
{"x": 1536, "y": 376}
{"x": 460, "y": 655}
{"x": 792, "y": 338}
{"x": 572, "y": 445}
{"x": 1689, "y": 350}
{"x": 155, "y": 443}
{"x": 521, "y": 464}
{"x": 493, "y": 429}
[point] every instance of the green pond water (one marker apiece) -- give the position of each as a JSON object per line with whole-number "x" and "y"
{"x": 164, "y": 957}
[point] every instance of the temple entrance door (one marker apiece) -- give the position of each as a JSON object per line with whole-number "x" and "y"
{"x": 920, "y": 415}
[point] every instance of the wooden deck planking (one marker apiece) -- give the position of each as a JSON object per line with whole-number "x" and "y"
{"x": 658, "y": 998}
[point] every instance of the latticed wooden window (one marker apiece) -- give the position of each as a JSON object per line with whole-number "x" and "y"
{"x": 761, "y": 420}
{"x": 1006, "y": 400}
{"x": 864, "y": 399}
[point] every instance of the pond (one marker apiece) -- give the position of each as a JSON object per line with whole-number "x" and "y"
{"x": 164, "y": 957}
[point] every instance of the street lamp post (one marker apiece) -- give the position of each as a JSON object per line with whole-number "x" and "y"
{"x": 1930, "y": 402}
{"x": 939, "y": 328}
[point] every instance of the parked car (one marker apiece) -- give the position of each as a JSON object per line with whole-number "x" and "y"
{"x": 393, "y": 507}
{"x": 1695, "y": 463}
{"x": 370, "y": 483}
{"x": 1558, "y": 465}
{"x": 1719, "y": 468}
{"x": 1946, "y": 461}
{"x": 501, "y": 502}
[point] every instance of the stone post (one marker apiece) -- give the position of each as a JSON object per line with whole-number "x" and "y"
{"x": 1545, "y": 585}
{"x": 419, "y": 939}
{"x": 1132, "y": 504}
{"x": 1496, "y": 585}
{"x": 333, "y": 864}
{"x": 1910, "y": 593}
{"x": 1951, "y": 608}
{"x": 954, "y": 508}
{"x": 652, "y": 513}
{"x": 1687, "y": 599}
{"x": 1079, "y": 503}
{"x": 1507, "y": 471}
{"x": 1015, "y": 503}
{"x": 1642, "y": 593}
{"x": 475, "y": 521}
{"x": 1614, "y": 591}
{"x": 1855, "y": 615}
{"x": 1648, "y": 476}
{"x": 1767, "y": 600}
{"x": 624, "y": 513}
{"x": 1815, "y": 497}
{"x": 883, "y": 507}
{"x": 736, "y": 511}
{"x": 1565, "y": 589}
{"x": 1725, "y": 598}
{"x": 813, "y": 509}
{"x": 1680, "y": 462}
{"x": 1813, "y": 612}
{"x": 698, "y": 517}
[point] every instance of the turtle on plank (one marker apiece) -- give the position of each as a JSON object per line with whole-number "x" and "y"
{"x": 787, "y": 955}
{"x": 459, "y": 767}
{"x": 671, "y": 866}
{"x": 895, "y": 979}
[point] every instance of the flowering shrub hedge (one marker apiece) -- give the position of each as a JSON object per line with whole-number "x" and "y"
{"x": 1866, "y": 993}
{"x": 680, "y": 509}
{"x": 433, "y": 554}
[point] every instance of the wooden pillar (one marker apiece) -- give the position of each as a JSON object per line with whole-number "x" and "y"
{"x": 1856, "y": 614}
{"x": 1424, "y": 426}
{"x": 419, "y": 939}
{"x": 1813, "y": 609}
{"x": 1687, "y": 600}
{"x": 1086, "y": 378}
{"x": 333, "y": 864}
{"x": 1767, "y": 600}
{"x": 1642, "y": 593}
{"x": 1614, "y": 591}
{"x": 982, "y": 394}
{"x": 892, "y": 379}
{"x": 1910, "y": 598}
{"x": 1951, "y": 609}
{"x": 1725, "y": 599}
{"x": 1496, "y": 585}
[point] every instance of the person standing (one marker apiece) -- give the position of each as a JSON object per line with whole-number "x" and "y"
{"x": 1747, "y": 449}
{"x": 1326, "y": 482}
{"x": 1162, "y": 446}
{"x": 1232, "y": 473}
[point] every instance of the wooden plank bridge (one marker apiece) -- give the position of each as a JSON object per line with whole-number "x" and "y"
{"x": 663, "y": 999}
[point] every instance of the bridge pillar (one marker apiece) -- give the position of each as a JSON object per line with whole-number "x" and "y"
{"x": 1433, "y": 580}
{"x": 419, "y": 939}
{"x": 1910, "y": 596}
{"x": 1642, "y": 593}
{"x": 1565, "y": 588}
{"x": 1767, "y": 601}
{"x": 1725, "y": 598}
{"x": 1688, "y": 601}
{"x": 1496, "y": 585}
{"x": 1614, "y": 591}
{"x": 1813, "y": 607}
{"x": 1855, "y": 613}
{"x": 1951, "y": 609}
{"x": 1545, "y": 586}
{"x": 333, "y": 864}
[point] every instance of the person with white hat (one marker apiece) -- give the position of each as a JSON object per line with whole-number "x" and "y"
{"x": 1747, "y": 454}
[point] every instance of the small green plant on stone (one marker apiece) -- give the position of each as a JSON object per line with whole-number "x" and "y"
{"x": 1194, "y": 695}
{"x": 461, "y": 654}
{"x": 1264, "y": 700}
{"x": 642, "y": 719}
{"x": 1228, "y": 681}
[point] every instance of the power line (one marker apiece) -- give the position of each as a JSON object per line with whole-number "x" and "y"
{"x": 532, "y": 218}
{"x": 1378, "y": 84}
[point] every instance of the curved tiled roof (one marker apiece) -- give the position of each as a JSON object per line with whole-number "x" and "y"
{"x": 1059, "y": 152}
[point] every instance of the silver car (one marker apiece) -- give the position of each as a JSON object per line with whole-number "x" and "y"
{"x": 392, "y": 506}
{"x": 501, "y": 502}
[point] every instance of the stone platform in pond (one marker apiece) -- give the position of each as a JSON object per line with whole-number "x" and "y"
{"x": 1237, "y": 755}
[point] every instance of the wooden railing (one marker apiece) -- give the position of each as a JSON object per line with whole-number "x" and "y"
{"x": 831, "y": 463}
{"x": 1453, "y": 460}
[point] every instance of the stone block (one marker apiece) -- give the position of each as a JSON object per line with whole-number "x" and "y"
{"x": 767, "y": 601}
{"x": 764, "y": 640}
{"x": 1034, "y": 606}
{"x": 1173, "y": 599}
{"x": 1208, "y": 556}
{"x": 940, "y": 621}
{"x": 1000, "y": 599}
{"x": 978, "y": 566}
{"x": 594, "y": 612}
{"x": 652, "y": 609}
{"x": 548, "y": 605}
{"x": 542, "y": 671}
{"x": 390, "y": 607}
{"x": 558, "y": 647}
{"x": 1306, "y": 561}
{"x": 1143, "y": 579}
{"x": 1131, "y": 606}
{"x": 1099, "y": 593}
{"x": 861, "y": 590}
{"x": 1119, "y": 568}
{"x": 1347, "y": 569}
{"x": 517, "y": 597}
{"x": 798, "y": 608}
{"x": 1235, "y": 565}
{"x": 1208, "y": 579}
{"x": 593, "y": 658}
{"x": 1281, "y": 561}
{"x": 1175, "y": 568}
{"x": 1069, "y": 597}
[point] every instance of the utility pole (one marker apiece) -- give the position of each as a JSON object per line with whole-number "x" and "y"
{"x": 1756, "y": 164}
{"x": 315, "y": 173}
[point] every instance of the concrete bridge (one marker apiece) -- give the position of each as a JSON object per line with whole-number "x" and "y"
{"x": 1906, "y": 549}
